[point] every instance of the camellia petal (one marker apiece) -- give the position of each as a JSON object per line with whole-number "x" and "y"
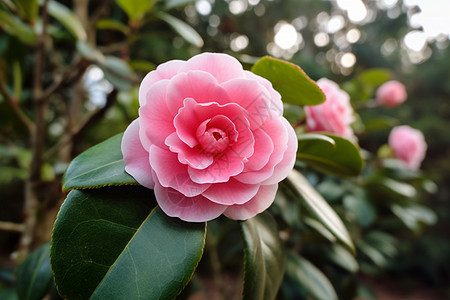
{"x": 259, "y": 203}
{"x": 195, "y": 157}
{"x": 190, "y": 209}
{"x": 136, "y": 158}
{"x": 155, "y": 112}
{"x": 285, "y": 166}
{"x": 231, "y": 192}
{"x": 263, "y": 149}
{"x": 223, "y": 67}
{"x": 171, "y": 173}
{"x": 198, "y": 85}
{"x": 163, "y": 71}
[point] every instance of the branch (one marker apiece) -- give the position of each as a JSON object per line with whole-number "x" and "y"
{"x": 14, "y": 103}
{"x": 9, "y": 226}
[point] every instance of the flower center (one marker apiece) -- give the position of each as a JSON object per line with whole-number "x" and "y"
{"x": 216, "y": 134}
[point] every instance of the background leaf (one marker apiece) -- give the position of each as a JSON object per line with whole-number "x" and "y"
{"x": 183, "y": 29}
{"x": 320, "y": 208}
{"x": 104, "y": 235}
{"x": 264, "y": 257}
{"x": 101, "y": 165}
{"x": 136, "y": 9}
{"x": 305, "y": 274}
{"x": 290, "y": 81}
{"x": 342, "y": 159}
{"x": 68, "y": 19}
{"x": 34, "y": 276}
{"x": 17, "y": 28}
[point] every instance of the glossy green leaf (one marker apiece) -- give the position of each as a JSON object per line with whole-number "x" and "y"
{"x": 415, "y": 216}
{"x": 89, "y": 52}
{"x": 264, "y": 257}
{"x": 27, "y": 9}
{"x": 101, "y": 165}
{"x": 290, "y": 81}
{"x": 342, "y": 159}
{"x": 171, "y": 4}
{"x": 319, "y": 228}
{"x": 136, "y": 9}
{"x": 67, "y": 18}
{"x": 341, "y": 257}
{"x": 320, "y": 208}
{"x": 311, "y": 137}
{"x": 183, "y": 29}
{"x": 398, "y": 188}
{"x": 113, "y": 243}
{"x": 15, "y": 27}
{"x": 303, "y": 273}
{"x": 375, "y": 76}
{"x": 118, "y": 72}
{"x": 34, "y": 276}
{"x": 111, "y": 24}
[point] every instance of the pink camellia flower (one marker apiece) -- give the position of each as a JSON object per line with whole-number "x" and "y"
{"x": 334, "y": 115}
{"x": 391, "y": 93}
{"x": 408, "y": 145}
{"x": 210, "y": 139}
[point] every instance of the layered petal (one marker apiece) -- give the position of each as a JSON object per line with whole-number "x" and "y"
{"x": 224, "y": 166}
{"x": 260, "y": 202}
{"x": 198, "y": 85}
{"x": 170, "y": 173}
{"x": 231, "y": 192}
{"x": 163, "y": 71}
{"x": 195, "y": 157}
{"x": 252, "y": 96}
{"x": 156, "y": 121}
{"x": 136, "y": 158}
{"x": 190, "y": 209}
{"x": 283, "y": 168}
{"x": 279, "y": 135}
{"x": 223, "y": 67}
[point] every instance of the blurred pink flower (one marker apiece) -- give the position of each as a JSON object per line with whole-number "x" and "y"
{"x": 334, "y": 115}
{"x": 391, "y": 93}
{"x": 408, "y": 145}
{"x": 210, "y": 139}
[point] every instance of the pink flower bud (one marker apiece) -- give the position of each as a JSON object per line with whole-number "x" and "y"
{"x": 408, "y": 145}
{"x": 391, "y": 93}
{"x": 334, "y": 115}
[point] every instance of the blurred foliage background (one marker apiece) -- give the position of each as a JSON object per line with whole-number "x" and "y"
{"x": 69, "y": 79}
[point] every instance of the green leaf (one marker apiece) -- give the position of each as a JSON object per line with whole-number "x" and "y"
{"x": 341, "y": 257}
{"x": 263, "y": 257}
{"x": 398, "y": 188}
{"x": 111, "y": 24}
{"x": 68, "y": 19}
{"x": 342, "y": 159}
{"x": 311, "y": 137}
{"x": 183, "y": 29}
{"x": 112, "y": 243}
{"x": 15, "y": 27}
{"x": 118, "y": 72}
{"x": 27, "y": 9}
{"x": 34, "y": 276}
{"x": 290, "y": 81}
{"x": 320, "y": 208}
{"x": 303, "y": 273}
{"x": 171, "y": 4}
{"x": 136, "y": 9}
{"x": 415, "y": 216}
{"x": 89, "y": 52}
{"x": 376, "y": 76}
{"x": 101, "y": 165}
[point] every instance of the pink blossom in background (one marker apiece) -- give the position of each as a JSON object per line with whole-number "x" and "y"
{"x": 408, "y": 145}
{"x": 334, "y": 115}
{"x": 391, "y": 93}
{"x": 210, "y": 139}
